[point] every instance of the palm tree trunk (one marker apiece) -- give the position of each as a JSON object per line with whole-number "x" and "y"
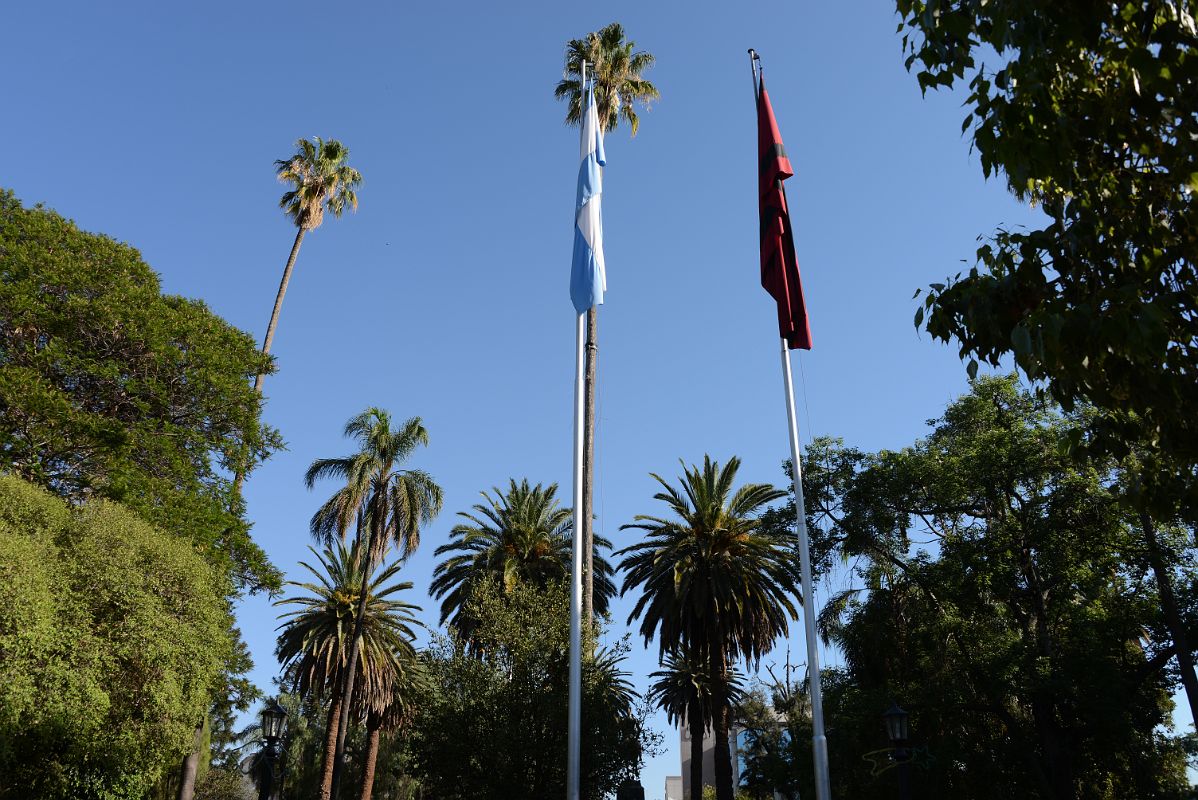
{"x": 1177, "y": 631}
{"x": 695, "y": 721}
{"x": 239, "y": 475}
{"x": 374, "y": 729}
{"x": 588, "y": 466}
{"x": 274, "y": 314}
{"x": 720, "y": 714}
{"x": 330, "y": 744}
{"x": 347, "y": 692}
{"x": 191, "y": 762}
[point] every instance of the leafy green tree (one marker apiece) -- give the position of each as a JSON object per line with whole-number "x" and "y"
{"x": 713, "y": 582}
{"x": 1087, "y": 114}
{"x": 312, "y": 642}
{"x": 387, "y": 505}
{"x": 511, "y": 689}
{"x": 321, "y": 181}
{"x": 108, "y": 388}
{"x": 1021, "y": 622}
{"x": 775, "y": 720}
{"x": 113, "y": 635}
{"x": 683, "y": 689}
{"x": 223, "y": 784}
{"x": 617, "y": 69}
{"x": 518, "y": 536}
{"x": 236, "y": 695}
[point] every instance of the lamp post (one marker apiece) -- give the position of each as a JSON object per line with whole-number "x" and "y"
{"x": 897, "y": 728}
{"x": 274, "y": 724}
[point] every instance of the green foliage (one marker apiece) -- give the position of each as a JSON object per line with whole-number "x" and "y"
{"x": 714, "y": 583}
{"x": 618, "y": 71}
{"x": 224, "y": 784}
{"x": 320, "y": 180}
{"x": 683, "y": 689}
{"x": 1088, "y": 112}
{"x": 1004, "y": 600}
{"x": 235, "y": 695}
{"x": 712, "y": 580}
{"x": 709, "y": 793}
{"x": 313, "y": 640}
{"x": 776, "y": 740}
{"x": 519, "y": 536}
{"x": 108, "y": 388}
{"x": 113, "y": 635}
{"x": 386, "y": 504}
{"x": 495, "y": 724}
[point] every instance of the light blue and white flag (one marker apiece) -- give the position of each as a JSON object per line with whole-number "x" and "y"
{"x": 588, "y": 278}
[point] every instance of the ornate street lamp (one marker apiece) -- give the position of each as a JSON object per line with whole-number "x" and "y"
{"x": 897, "y": 728}
{"x": 274, "y": 725}
{"x": 896, "y": 724}
{"x": 274, "y": 722}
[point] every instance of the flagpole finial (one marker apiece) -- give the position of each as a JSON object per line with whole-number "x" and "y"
{"x": 754, "y": 67}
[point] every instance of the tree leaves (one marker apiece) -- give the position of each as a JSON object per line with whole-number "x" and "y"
{"x": 1004, "y": 600}
{"x": 1101, "y": 302}
{"x": 113, "y": 635}
{"x": 110, "y": 388}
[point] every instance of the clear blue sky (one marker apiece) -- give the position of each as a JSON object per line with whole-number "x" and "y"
{"x": 445, "y": 296}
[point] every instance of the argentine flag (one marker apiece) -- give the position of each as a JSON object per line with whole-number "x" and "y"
{"x": 588, "y": 278}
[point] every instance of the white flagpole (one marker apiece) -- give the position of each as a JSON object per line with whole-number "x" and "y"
{"x": 573, "y": 759}
{"x": 819, "y": 742}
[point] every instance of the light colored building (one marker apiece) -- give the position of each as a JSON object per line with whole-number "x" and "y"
{"x": 674, "y": 787}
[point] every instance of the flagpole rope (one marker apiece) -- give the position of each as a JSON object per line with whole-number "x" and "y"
{"x": 846, "y": 580}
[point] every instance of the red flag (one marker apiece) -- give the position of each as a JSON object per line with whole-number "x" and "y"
{"x": 779, "y": 268}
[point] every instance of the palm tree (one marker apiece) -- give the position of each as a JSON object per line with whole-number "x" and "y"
{"x": 387, "y": 505}
{"x": 320, "y": 181}
{"x": 714, "y": 583}
{"x": 617, "y": 68}
{"x": 518, "y": 536}
{"x": 392, "y": 712}
{"x": 312, "y": 639}
{"x": 683, "y": 689}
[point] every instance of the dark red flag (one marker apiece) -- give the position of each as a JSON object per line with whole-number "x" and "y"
{"x": 779, "y": 268}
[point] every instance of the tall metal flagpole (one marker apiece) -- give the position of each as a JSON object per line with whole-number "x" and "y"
{"x": 819, "y": 742}
{"x": 575, "y": 702}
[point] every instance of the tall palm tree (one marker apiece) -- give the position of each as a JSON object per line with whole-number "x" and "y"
{"x": 683, "y": 689}
{"x": 312, "y": 641}
{"x": 518, "y": 536}
{"x": 618, "y": 71}
{"x": 713, "y": 582}
{"x": 320, "y": 181}
{"x": 386, "y": 505}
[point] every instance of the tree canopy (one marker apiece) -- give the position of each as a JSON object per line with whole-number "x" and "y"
{"x": 113, "y": 635}
{"x": 109, "y": 388}
{"x": 1003, "y": 597}
{"x": 495, "y": 724}
{"x": 1089, "y": 113}
{"x": 520, "y": 535}
{"x": 617, "y": 68}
